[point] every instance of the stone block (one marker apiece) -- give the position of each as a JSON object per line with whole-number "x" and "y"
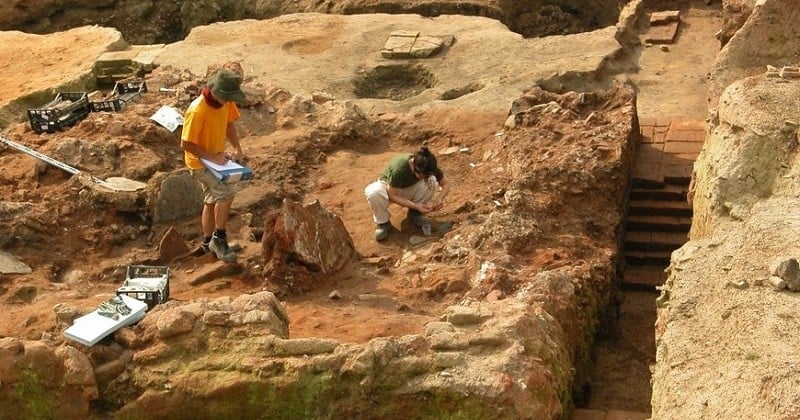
{"x": 399, "y": 44}
{"x": 666, "y": 16}
{"x": 662, "y": 34}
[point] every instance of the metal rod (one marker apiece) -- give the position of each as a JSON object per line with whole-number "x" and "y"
{"x": 41, "y": 156}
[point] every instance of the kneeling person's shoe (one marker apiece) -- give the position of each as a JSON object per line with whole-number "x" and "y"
{"x": 382, "y": 231}
{"x": 417, "y": 218}
{"x": 220, "y": 248}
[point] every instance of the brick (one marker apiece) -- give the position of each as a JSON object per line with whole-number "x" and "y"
{"x": 662, "y": 33}
{"x": 693, "y": 136}
{"x": 689, "y": 125}
{"x": 664, "y": 16}
{"x": 682, "y": 147}
{"x": 663, "y": 122}
{"x": 698, "y": 136}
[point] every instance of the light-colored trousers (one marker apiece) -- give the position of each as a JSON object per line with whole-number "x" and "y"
{"x": 377, "y": 195}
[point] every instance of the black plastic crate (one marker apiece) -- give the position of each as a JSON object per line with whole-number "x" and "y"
{"x": 63, "y": 111}
{"x": 147, "y": 283}
{"x": 121, "y": 96}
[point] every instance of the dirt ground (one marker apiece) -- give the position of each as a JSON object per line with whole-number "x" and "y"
{"x": 78, "y": 254}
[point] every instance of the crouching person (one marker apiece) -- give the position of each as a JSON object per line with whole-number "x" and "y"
{"x": 411, "y": 181}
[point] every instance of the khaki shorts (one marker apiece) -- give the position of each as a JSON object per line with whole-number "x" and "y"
{"x": 214, "y": 190}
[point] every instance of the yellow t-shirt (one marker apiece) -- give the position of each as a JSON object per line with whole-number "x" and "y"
{"x": 206, "y": 127}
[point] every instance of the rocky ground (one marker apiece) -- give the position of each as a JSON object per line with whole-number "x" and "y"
{"x": 555, "y": 210}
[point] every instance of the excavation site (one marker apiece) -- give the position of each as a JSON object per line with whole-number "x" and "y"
{"x": 616, "y": 239}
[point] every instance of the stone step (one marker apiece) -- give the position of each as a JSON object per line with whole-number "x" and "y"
{"x": 643, "y": 276}
{"x": 658, "y": 207}
{"x": 654, "y": 241}
{"x": 664, "y": 192}
{"x": 587, "y": 414}
{"x": 657, "y": 223}
{"x": 644, "y": 257}
{"x": 649, "y": 181}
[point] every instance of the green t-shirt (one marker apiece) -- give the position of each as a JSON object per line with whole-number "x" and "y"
{"x": 398, "y": 175}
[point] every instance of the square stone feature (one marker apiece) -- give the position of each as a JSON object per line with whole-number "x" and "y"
{"x": 663, "y": 27}
{"x": 667, "y": 16}
{"x": 662, "y": 34}
{"x": 399, "y": 44}
{"x": 409, "y": 44}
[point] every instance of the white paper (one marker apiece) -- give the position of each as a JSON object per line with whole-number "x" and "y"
{"x": 168, "y": 117}
{"x": 231, "y": 164}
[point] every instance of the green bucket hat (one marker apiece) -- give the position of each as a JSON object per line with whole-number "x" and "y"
{"x": 226, "y": 85}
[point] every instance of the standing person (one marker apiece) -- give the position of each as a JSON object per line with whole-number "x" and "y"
{"x": 410, "y": 181}
{"x": 208, "y": 123}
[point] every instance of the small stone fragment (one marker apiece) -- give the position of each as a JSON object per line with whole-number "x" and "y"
{"x": 741, "y": 284}
{"x": 777, "y": 282}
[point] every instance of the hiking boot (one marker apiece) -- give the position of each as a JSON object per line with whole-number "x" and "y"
{"x": 233, "y": 247}
{"x": 417, "y": 218}
{"x": 382, "y": 231}
{"x": 221, "y": 249}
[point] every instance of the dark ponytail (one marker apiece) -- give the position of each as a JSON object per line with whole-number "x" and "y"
{"x": 425, "y": 161}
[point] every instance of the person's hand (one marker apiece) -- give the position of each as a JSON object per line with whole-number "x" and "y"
{"x": 423, "y": 208}
{"x": 219, "y": 158}
{"x": 238, "y": 156}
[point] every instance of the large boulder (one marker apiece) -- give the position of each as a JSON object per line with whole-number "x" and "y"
{"x": 302, "y": 242}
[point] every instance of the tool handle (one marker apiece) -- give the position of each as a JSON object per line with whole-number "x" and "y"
{"x": 38, "y": 155}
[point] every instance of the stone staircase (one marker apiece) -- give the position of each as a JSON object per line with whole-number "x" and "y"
{"x": 659, "y": 217}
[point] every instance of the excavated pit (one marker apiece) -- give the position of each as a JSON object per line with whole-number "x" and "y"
{"x": 395, "y": 82}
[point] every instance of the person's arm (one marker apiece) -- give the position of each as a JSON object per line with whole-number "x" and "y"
{"x": 219, "y": 158}
{"x": 233, "y": 139}
{"x": 438, "y": 201}
{"x": 394, "y": 197}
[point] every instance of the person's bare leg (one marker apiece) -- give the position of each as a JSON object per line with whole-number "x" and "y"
{"x": 221, "y": 212}
{"x": 207, "y": 218}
